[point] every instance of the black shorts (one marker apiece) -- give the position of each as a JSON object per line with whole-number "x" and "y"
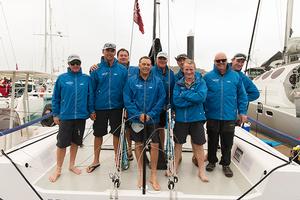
{"x": 152, "y": 133}
{"x": 162, "y": 119}
{"x": 70, "y": 131}
{"x": 100, "y": 125}
{"x": 195, "y": 129}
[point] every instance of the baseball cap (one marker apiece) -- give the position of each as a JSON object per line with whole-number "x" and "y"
{"x": 162, "y": 54}
{"x": 183, "y": 55}
{"x": 109, "y": 46}
{"x": 240, "y": 56}
{"x": 73, "y": 57}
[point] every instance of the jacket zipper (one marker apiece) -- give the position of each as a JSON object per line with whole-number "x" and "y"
{"x": 75, "y": 96}
{"x": 222, "y": 97}
{"x": 109, "y": 80}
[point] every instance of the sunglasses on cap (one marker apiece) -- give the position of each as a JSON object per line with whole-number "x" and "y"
{"x": 221, "y": 61}
{"x": 75, "y": 62}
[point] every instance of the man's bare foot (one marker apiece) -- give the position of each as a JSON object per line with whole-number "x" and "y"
{"x": 140, "y": 182}
{"x": 75, "y": 170}
{"x": 155, "y": 184}
{"x": 203, "y": 177}
{"x": 55, "y": 175}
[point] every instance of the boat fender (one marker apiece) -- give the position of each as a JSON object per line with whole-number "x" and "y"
{"x": 48, "y": 121}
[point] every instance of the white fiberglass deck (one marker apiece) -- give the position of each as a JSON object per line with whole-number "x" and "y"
{"x": 99, "y": 180}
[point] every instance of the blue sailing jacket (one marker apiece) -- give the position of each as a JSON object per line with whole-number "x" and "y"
{"x": 250, "y": 87}
{"x": 156, "y": 71}
{"x": 226, "y": 95}
{"x": 73, "y": 96}
{"x": 189, "y": 101}
{"x": 132, "y": 70}
{"x": 144, "y": 96}
{"x": 108, "y": 83}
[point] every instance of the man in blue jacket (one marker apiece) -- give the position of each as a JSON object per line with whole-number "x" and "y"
{"x": 123, "y": 58}
{"x": 226, "y": 97}
{"x": 108, "y": 82}
{"x": 180, "y": 62}
{"x": 164, "y": 73}
{"x": 237, "y": 64}
{"x": 188, "y": 97}
{"x": 72, "y": 103}
{"x": 144, "y": 98}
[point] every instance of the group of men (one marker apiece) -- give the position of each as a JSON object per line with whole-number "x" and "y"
{"x": 146, "y": 93}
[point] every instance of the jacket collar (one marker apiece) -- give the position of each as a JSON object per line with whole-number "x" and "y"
{"x": 72, "y": 73}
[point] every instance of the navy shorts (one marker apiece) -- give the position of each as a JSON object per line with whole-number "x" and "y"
{"x": 195, "y": 129}
{"x": 70, "y": 131}
{"x": 114, "y": 117}
{"x": 152, "y": 133}
{"x": 162, "y": 119}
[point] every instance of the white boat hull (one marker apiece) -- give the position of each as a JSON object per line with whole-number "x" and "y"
{"x": 277, "y": 119}
{"x": 249, "y": 165}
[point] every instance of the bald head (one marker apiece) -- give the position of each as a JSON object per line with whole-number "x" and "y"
{"x": 221, "y": 62}
{"x": 220, "y": 55}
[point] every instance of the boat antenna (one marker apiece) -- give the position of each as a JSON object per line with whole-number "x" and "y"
{"x": 252, "y": 36}
{"x": 9, "y": 36}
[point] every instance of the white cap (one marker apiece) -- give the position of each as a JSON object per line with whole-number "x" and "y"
{"x": 73, "y": 57}
{"x": 162, "y": 54}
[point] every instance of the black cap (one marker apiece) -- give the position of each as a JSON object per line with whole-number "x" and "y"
{"x": 183, "y": 55}
{"x": 240, "y": 56}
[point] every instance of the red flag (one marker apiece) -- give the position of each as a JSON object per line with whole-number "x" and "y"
{"x": 137, "y": 18}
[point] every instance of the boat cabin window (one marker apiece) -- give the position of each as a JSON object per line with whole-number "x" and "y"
{"x": 277, "y": 73}
{"x": 4, "y": 119}
{"x": 266, "y": 75}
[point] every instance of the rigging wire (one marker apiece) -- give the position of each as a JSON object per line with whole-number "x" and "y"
{"x": 252, "y": 36}
{"x": 9, "y": 36}
{"x": 131, "y": 35}
{"x": 4, "y": 51}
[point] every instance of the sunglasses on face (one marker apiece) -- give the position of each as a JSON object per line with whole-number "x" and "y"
{"x": 221, "y": 61}
{"x": 110, "y": 50}
{"x": 75, "y": 62}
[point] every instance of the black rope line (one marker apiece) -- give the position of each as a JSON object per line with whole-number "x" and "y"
{"x": 23, "y": 176}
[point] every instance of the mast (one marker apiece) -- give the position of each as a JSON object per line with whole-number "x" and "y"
{"x": 45, "y": 37}
{"x": 190, "y": 45}
{"x": 288, "y": 29}
{"x": 154, "y": 20}
{"x": 252, "y": 36}
{"x": 51, "y": 38}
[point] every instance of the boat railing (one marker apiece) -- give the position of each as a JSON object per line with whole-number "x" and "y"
{"x": 9, "y": 131}
{"x": 278, "y": 134}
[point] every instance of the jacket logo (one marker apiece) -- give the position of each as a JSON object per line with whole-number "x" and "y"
{"x": 104, "y": 73}
{"x": 228, "y": 81}
{"x": 139, "y": 85}
{"x": 150, "y": 87}
{"x": 215, "y": 79}
{"x": 69, "y": 83}
{"x": 81, "y": 84}
{"x": 115, "y": 74}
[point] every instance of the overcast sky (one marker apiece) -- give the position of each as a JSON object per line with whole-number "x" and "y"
{"x": 86, "y": 25}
